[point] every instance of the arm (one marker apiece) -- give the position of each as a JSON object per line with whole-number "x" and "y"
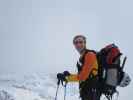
{"x": 90, "y": 59}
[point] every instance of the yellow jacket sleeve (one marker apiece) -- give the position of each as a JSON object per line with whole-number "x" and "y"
{"x": 72, "y": 78}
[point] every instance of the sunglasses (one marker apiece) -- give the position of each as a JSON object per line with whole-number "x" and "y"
{"x": 78, "y": 42}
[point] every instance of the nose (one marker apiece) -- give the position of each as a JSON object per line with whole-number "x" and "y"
{"x": 78, "y": 45}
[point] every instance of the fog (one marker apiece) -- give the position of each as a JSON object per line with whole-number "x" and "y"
{"x": 36, "y": 35}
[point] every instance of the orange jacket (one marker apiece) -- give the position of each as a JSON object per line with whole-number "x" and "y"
{"x": 90, "y": 66}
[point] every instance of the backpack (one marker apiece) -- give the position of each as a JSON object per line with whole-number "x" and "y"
{"x": 110, "y": 71}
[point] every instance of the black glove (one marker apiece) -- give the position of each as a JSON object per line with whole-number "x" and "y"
{"x": 61, "y": 78}
{"x": 66, "y": 73}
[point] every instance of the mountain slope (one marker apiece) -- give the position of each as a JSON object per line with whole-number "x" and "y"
{"x": 33, "y": 87}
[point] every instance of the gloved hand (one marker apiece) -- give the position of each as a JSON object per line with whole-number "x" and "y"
{"x": 61, "y": 78}
{"x": 66, "y": 73}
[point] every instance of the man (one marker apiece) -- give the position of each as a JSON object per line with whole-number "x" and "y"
{"x": 87, "y": 71}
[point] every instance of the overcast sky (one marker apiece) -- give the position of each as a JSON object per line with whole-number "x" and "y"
{"x": 36, "y": 35}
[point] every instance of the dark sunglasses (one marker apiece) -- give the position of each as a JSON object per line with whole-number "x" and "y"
{"x": 78, "y": 42}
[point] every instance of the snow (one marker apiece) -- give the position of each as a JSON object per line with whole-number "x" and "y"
{"x": 34, "y": 87}
{"x": 42, "y": 87}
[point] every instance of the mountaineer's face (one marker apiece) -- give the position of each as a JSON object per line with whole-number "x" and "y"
{"x": 79, "y": 44}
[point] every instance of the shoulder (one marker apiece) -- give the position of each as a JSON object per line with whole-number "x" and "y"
{"x": 90, "y": 57}
{"x": 91, "y": 51}
{"x": 90, "y": 54}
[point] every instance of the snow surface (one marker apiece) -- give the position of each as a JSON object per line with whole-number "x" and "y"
{"x": 36, "y": 87}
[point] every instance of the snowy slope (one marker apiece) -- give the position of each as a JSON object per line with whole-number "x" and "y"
{"x": 40, "y": 87}
{"x": 33, "y": 87}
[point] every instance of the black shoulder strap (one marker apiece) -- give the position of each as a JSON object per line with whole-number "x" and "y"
{"x": 91, "y": 51}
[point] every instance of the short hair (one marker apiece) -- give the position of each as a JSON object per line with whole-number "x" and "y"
{"x": 77, "y": 36}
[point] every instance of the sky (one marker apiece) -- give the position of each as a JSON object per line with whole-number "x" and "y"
{"x": 36, "y": 35}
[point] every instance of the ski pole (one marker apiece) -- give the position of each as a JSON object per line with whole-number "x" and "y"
{"x": 58, "y": 83}
{"x": 65, "y": 90}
